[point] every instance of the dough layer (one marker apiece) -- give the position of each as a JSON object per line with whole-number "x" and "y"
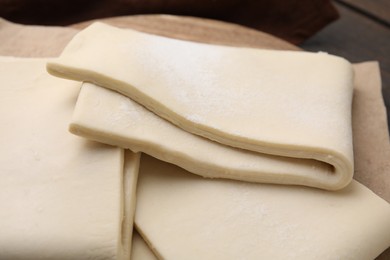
{"x": 186, "y": 217}
{"x": 129, "y": 182}
{"x": 61, "y": 197}
{"x": 284, "y": 103}
{"x": 140, "y": 250}
{"x": 109, "y": 117}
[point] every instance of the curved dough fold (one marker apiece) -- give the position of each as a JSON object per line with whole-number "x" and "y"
{"x": 109, "y": 117}
{"x": 284, "y": 103}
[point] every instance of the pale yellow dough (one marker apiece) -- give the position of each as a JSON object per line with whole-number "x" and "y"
{"x": 129, "y": 185}
{"x": 140, "y": 250}
{"x": 61, "y": 197}
{"x": 109, "y": 117}
{"x": 183, "y": 216}
{"x": 292, "y": 104}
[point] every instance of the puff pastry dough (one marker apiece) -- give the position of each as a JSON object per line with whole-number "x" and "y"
{"x": 61, "y": 197}
{"x": 186, "y": 217}
{"x": 290, "y": 104}
{"x": 140, "y": 250}
{"x": 109, "y": 117}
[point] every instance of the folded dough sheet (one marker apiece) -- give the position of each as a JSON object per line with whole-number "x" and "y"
{"x": 183, "y": 216}
{"x": 286, "y": 114}
{"x": 102, "y": 113}
{"x": 222, "y": 219}
{"x": 61, "y": 197}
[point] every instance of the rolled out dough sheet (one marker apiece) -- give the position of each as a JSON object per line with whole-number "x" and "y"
{"x": 109, "y": 117}
{"x": 184, "y": 216}
{"x": 61, "y": 197}
{"x": 291, "y": 104}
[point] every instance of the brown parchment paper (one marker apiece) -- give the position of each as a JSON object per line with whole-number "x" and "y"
{"x": 370, "y": 131}
{"x": 371, "y": 135}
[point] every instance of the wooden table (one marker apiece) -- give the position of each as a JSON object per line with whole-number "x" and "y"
{"x": 362, "y": 33}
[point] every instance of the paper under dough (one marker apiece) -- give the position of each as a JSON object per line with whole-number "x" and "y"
{"x": 109, "y": 117}
{"x": 292, "y": 104}
{"x": 186, "y": 217}
{"x": 61, "y": 197}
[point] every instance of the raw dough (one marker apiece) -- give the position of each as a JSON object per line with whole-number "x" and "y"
{"x": 61, "y": 197}
{"x": 186, "y": 217}
{"x": 129, "y": 182}
{"x": 109, "y": 117}
{"x": 286, "y": 103}
{"x": 140, "y": 250}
